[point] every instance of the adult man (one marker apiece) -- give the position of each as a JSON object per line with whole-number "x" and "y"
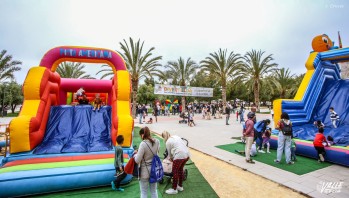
{"x": 140, "y": 113}
{"x": 249, "y": 135}
{"x": 227, "y": 113}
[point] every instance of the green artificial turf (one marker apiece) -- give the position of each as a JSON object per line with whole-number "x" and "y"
{"x": 194, "y": 186}
{"x": 302, "y": 166}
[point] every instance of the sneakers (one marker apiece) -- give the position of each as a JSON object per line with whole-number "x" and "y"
{"x": 261, "y": 151}
{"x": 321, "y": 158}
{"x": 119, "y": 189}
{"x": 290, "y": 163}
{"x": 113, "y": 185}
{"x": 180, "y": 188}
{"x": 277, "y": 161}
{"x": 250, "y": 161}
{"x": 171, "y": 191}
{"x": 268, "y": 151}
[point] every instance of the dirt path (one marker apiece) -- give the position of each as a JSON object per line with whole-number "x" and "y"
{"x": 230, "y": 181}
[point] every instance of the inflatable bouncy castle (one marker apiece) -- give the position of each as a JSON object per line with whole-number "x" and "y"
{"x": 55, "y": 146}
{"x": 321, "y": 88}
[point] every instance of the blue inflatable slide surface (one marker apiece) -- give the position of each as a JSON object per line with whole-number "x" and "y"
{"x": 335, "y": 94}
{"x": 76, "y": 129}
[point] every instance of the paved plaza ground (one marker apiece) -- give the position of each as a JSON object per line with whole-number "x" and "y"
{"x": 230, "y": 175}
{"x": 208, "y": 134}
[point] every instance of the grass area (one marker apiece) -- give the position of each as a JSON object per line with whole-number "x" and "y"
{"x": 302, "y": 166}
{"x": 15, "y": 114}
{"x": 195, "y": 185}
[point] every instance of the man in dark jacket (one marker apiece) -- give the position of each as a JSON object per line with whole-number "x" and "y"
{"x": 227, "y": 113}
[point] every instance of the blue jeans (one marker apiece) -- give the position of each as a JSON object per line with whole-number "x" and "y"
{"x": 242, "y": 118}
{"x": 293, "y": 154}
{"x": 140, "y": 117}
{"x": 284, "y": 143}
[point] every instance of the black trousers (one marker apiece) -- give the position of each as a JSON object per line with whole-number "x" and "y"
{"x": 320, "y": 150}
{"x": 119, "y": 178}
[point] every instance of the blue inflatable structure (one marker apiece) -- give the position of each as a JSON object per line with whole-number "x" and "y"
{"x": 321, "y": 88}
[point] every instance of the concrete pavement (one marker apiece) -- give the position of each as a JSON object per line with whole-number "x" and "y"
{"x": 210, "y": 133}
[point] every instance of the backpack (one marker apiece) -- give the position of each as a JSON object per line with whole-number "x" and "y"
{"x": 259, "y": 126}
{"x": 286, "y": 129}
{"x": 156, "y": 171}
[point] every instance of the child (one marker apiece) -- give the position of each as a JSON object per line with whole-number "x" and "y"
{"x": 150, "y": 121}
{"x": 191, "y": 120}
{"x": 119, "y": 164}
{"x": 293, "y": 150}
{"x": 266, "y": 138}
{"x": 319, "y": 124}
{"x": 253, "y": 151}
{"x": 330, "y": 140}
{"x": 80, "y": 92}
{"x": 334, "y": 117}
{"x": 97, "y": 103}
{"x": 318, "y": 140}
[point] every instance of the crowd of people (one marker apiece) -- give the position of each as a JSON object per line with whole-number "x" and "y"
{"x": 256, "y": 136}
{"x": 214, "y": 110}
{"x": 259, "y": 133}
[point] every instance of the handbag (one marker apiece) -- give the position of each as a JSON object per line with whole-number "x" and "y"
{"x": 129, "y": 168}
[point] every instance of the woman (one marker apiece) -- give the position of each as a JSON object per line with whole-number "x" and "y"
{"x": 284, "y": 138}
{"x": 260, "y": 128}
{"x": 179, "y": 154}
{"x": 144, "y": 157}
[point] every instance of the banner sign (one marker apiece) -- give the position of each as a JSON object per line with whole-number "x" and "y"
{"x": 183, "y": 90}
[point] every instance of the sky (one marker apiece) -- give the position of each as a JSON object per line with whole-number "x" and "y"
{"x": 181, "y": 28}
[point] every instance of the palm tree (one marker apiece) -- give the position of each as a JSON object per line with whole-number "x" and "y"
{"x": 139, "y": 65}
{"x": 254, "y": 69}
{"x": 182, "y": 71}
{"x": 8, "y": 66}
{"x": 108, "y": 72}
{"x": 72, "y": 70}
{"x": 296, "y": 82}
{"x": 283, "y": 81}
{"x": 222, "y": 67}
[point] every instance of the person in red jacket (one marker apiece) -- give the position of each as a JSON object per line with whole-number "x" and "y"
{"x": 249, "y": 135}
{"x": 319, "y": 144}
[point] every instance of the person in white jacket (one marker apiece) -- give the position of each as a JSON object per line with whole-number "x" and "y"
{"x": 179, "y": 154}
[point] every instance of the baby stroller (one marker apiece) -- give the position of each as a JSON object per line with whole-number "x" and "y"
{"x": 167, "y": 166}
{"x": 184, "y": 117}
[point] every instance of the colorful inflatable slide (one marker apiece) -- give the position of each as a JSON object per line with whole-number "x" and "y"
{"x": 321, "y": 88}
{"x": 55, "y": 146}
